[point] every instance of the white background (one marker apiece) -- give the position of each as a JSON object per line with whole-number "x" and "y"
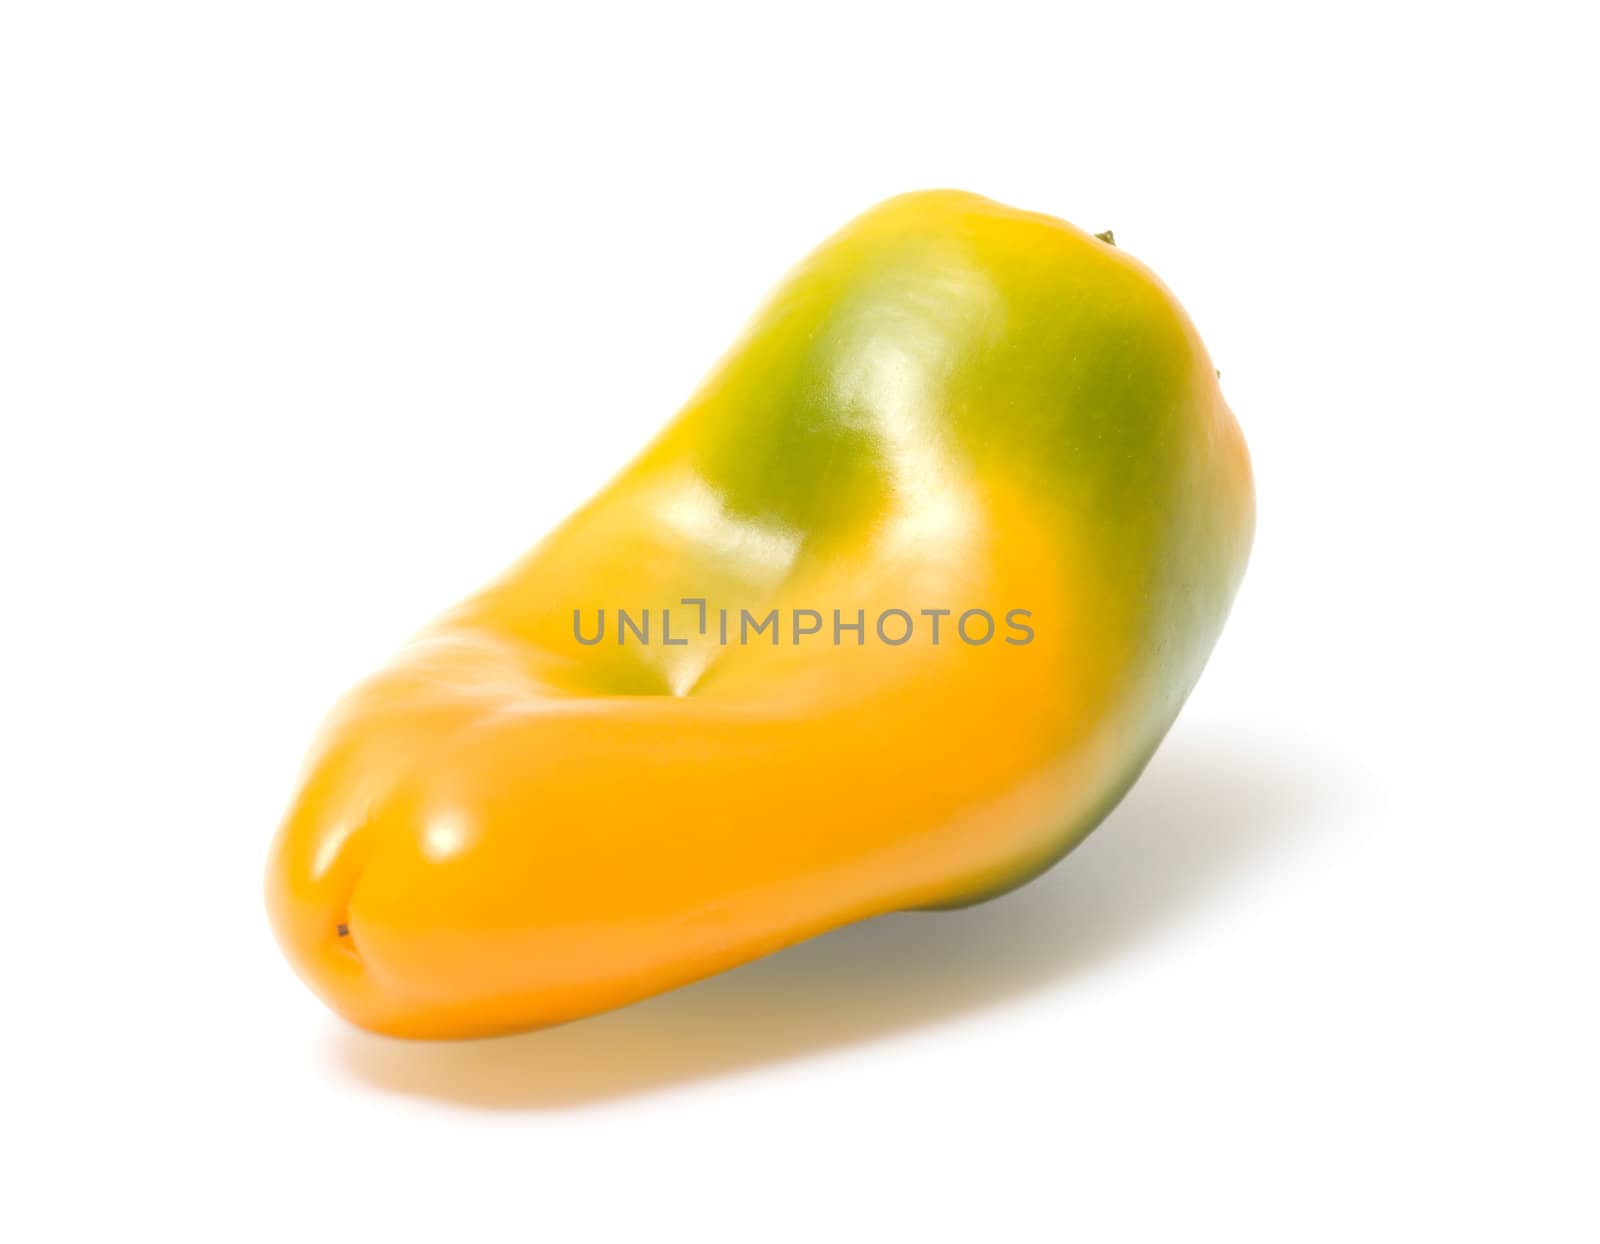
{"x": 314, "y": 316}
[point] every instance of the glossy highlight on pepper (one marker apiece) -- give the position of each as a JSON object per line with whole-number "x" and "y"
{"x": 950, "y": 408}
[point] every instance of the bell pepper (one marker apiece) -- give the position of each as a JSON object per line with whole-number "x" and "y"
{"x": 889, "y": 617}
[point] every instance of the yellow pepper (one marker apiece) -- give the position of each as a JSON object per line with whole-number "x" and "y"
{"x": 890, "y": 616}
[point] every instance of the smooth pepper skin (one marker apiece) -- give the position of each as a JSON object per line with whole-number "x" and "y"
{"x": 951, "y": 404}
